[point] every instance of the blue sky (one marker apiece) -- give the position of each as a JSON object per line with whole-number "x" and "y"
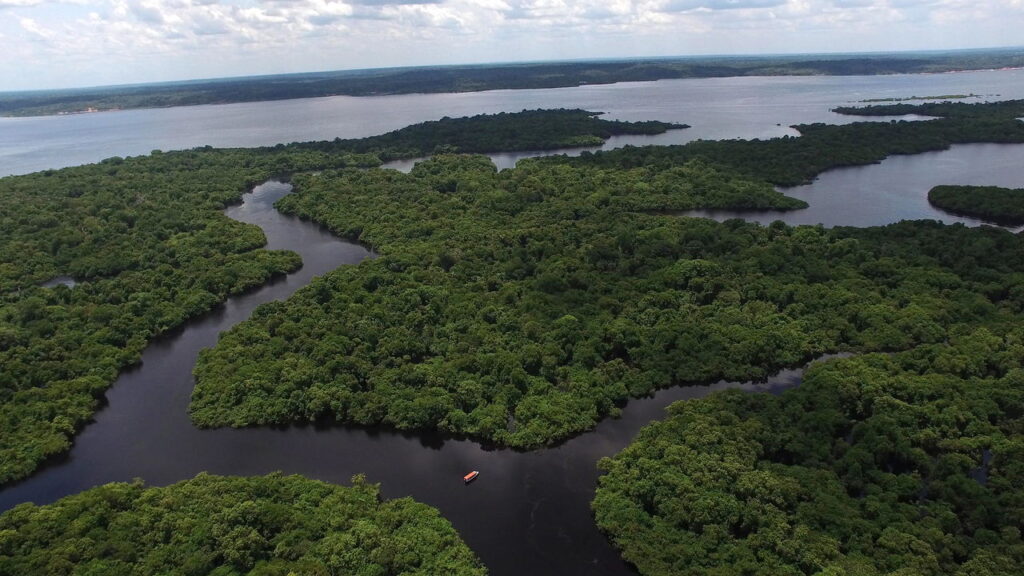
{"x": 65, "y": 43}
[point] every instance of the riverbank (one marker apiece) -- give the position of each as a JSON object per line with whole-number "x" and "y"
{"x": 485, "y": 77}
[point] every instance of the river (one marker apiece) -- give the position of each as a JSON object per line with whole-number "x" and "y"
{"x": 895, "y": 189}
{"x": 528, "y": 513}
{"x": 716, "y": 108}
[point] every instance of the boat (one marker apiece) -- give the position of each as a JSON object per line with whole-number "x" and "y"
{"x": 471, "y": 476}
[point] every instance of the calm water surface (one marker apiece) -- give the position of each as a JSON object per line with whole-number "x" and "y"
{"x": 528, "y": 513}
{"x": 894, "y": 190}
{"x": 754, "y": 107}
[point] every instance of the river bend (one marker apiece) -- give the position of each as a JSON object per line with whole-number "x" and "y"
{"x": 529, "y": 513}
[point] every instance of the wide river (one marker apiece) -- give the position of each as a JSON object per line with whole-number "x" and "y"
{"x": 529, "y": 512}
{"x": 716, "y": 108}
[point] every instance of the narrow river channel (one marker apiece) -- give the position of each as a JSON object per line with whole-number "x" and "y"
{"x": 528, "y": 513}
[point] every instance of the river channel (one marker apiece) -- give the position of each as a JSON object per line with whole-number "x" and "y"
{"x": 528, "y": 513}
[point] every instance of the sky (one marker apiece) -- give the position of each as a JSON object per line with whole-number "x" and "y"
{"x": 70, "y": 43}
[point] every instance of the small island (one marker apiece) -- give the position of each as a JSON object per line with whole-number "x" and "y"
{"x": 915, "y": 98}
{"x": 269, "y": 525}
{"x": 1005, "y": 109}
{"x": 1000, "y": 205}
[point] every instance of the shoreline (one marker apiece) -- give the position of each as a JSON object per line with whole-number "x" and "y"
{"x": 92, "y": 102}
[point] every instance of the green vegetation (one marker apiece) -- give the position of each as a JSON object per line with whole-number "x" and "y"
{"x": 268, "y": 526}
{"x": 992, "y": 203}
{"x": 490, "y": 77}
{"x": 1006, "y": 109}
{"x": 879, "y": 464}
{"x": 509, "y": 306}
{"x": 790, "y": 161}
{"x": 147, "y": 239}
{"x": 913, "y": 98}
{"x": 521, "y": 307}
{"x": 503, "y": 132}
{"x": 882, "y": 464}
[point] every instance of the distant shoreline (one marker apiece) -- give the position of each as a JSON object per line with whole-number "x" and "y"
{"x": 480, "y": 78}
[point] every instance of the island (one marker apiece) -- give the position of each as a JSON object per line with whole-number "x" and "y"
{"x": 268, "y": 525}
{"x": 992, "y": 203}
{"x": 1002, "y": 108}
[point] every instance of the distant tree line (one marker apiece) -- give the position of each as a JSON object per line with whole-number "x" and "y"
{"x": 1005, "y": 109}
{"x": 474, "y": 78}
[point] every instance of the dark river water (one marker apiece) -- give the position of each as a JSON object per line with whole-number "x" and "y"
{"x": 528, "y": 513}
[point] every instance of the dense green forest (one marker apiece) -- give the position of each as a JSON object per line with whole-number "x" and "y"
{"x": 265, "y": 526}
{"x": 150, "y": 246}
{"x": 908, "y": 463}
{"x": 502, "y": 132}
{"x": 148, "y": 242}
{"x": 992, "y": 203}
{"x": 789, "y": 161}
{"x": 474, "y": 78}
{"x": 1004, "y": 109}
{"x": 521, "y": 307}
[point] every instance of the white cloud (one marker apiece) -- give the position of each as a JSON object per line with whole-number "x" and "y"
{"x": 32, "y": 27}
{"x": 684, "y": 5}
{"x": 16, "y": 3}
{"x": 53, "y": 43}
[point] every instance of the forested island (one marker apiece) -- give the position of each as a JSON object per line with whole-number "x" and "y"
{"x": 473, "y": 78}
{"x": 150, "y": 247}
{"x": 913, "y": 98}
{"x": 502, "y": 132}
{"x": 264, "y": 526}
{"x": 1005, "y": 109}
{"x": 521, "y": 307}
{"x": 790, "y": 161}
{"x": 992, "y": 203}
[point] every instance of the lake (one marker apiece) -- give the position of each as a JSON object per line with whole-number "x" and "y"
{"x": 528, "y": 513}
